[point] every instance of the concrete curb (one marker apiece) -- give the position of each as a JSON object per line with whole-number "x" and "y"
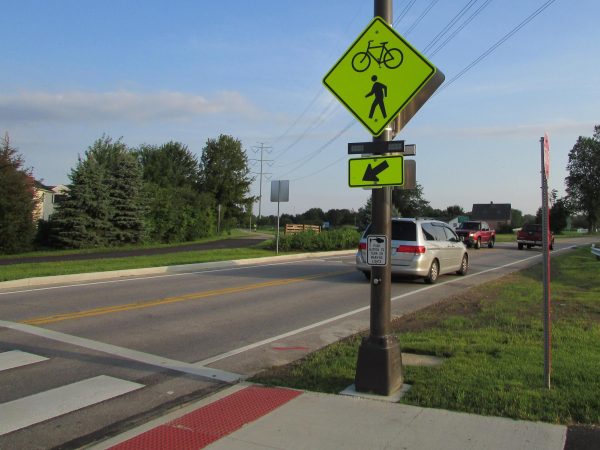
{"x": 185, "y": 268}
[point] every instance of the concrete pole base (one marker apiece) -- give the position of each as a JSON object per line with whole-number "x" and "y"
{"x": 379, "y": 366}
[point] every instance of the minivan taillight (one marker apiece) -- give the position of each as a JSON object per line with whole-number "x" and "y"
{"x": 362, "y": 246}
{"x": 415, "y": 249}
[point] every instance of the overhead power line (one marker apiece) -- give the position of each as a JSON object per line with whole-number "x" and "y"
{"x": 404, "y": 12}
{"x": 458, "y": 30}
{"x": 433, "y": 43}
{"x": 498, "y": 43}
{"x": 421, "y": 17}
{"x": 449, "y": 25}
{"x": 322, "y": 147}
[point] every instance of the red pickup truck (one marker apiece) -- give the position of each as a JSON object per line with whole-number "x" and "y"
{"x": 476, "y": 233}
{"x": 531, "y": 235}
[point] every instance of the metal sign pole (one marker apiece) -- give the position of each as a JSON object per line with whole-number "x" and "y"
{"x": 546, "y": 264}
{"x": 379, "y": 365}
{"x": 278, "y": 202}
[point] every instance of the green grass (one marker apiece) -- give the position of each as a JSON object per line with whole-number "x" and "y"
{"x": 235, "y": 233}
{"x": 266, "y": 248}
{"x": 28, "y": 270}
{"x": 492, "y": 337}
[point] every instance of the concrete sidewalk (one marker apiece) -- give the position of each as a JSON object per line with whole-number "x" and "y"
{"x": 247, "y": 416}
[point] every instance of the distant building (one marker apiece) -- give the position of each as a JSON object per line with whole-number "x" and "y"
{"x": 47, "y": 199}
{"x": 495, "y": 214}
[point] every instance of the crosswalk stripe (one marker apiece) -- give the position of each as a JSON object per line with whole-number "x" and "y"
{"x": 36, "y": 408}
{"x": 17, "y": 358}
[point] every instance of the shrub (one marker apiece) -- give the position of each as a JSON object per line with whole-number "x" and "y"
{"x": 311, "y": 241}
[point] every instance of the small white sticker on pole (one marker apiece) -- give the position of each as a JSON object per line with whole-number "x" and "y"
{"x": 377, "y": 250}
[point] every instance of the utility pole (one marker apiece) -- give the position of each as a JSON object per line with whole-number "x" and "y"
{"x": 545, "y": 158}
{"x": 261, "y": 149}
{"x": 379, "y": 365}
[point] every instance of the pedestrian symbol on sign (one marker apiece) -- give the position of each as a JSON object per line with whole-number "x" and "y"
{"x": 379, "y": 90}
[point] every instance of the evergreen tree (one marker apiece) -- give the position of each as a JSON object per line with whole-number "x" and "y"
{"x": 105, "y": 205}
{"x": 82, "y": 219}
{"x": 17, "y": 201}
{"x": 126, "y": 199}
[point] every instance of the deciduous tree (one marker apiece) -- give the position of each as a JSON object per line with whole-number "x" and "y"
{"x": 225, "y": 174}
{"x": 17, "y": 201}
{"x": 583, "y": 181}
{"x": 410, "y": 202}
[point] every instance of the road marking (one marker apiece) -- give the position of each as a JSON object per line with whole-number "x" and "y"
{"x": 199, "y": 368}
{"x": 150, "y": 277}
{"x": 36, "y": 408}
{"x": 249, "y": 347}
{"x": 17, "y": 358}
{"x": 168, "y": 300}
{"x": 121, "y": 352}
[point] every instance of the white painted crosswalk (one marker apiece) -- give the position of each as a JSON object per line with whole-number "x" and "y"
{"x": 17, "y": 358}
{"x": 26, "y": 411}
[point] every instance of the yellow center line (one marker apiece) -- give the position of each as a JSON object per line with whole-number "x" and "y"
{"x": 169, "y": 300}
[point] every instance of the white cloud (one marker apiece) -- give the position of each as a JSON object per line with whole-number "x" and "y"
{"x": 511, "y": 131}
{"x": 77, "y": 106}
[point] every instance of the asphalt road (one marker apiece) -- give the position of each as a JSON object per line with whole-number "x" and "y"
{"x": 167, "y": 339}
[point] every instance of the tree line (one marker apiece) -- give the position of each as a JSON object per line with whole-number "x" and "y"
{"x": 165, "y": 194}
{"x": 119, "y": 195}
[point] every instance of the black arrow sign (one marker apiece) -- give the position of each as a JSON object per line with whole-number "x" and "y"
{"x": 372, "y": 172}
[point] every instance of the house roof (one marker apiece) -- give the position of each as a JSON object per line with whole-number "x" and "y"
{"x": 39, "y": 185}
{"x": 491, "y": 211}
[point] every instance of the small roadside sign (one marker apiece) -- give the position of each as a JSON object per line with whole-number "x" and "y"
{"x": 376, "y": 172}
{"x": 546, "y": 156}
{"x": 377, "y": 250}
{"x": 380, "y": 75}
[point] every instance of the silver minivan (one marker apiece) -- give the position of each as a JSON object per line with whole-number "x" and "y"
{"x": 423, "y": 248}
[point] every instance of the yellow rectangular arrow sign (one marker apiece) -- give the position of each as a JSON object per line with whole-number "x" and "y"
{"x": 375, "y": 172}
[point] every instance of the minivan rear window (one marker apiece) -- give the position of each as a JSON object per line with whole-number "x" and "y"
{"x": 401, "y": 231}
{"x": 404, "y": 231}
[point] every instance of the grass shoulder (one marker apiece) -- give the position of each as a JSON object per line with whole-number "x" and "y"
{"x": 492, "y": 337}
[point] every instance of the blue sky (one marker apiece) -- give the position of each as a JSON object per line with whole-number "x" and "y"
{"x": 154, "y": 71}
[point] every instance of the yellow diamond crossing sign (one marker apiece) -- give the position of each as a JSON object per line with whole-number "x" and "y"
{"x": 376, "y": 172}
{"x": 382, "y": 76}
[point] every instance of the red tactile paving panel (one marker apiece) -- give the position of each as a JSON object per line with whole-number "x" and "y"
{"x": 207, "y": 424}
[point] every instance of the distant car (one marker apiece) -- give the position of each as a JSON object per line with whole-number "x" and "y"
{"x": 531, "y": 235}
{"x": 476, "y": 233}
{"x": 422, "y": 248}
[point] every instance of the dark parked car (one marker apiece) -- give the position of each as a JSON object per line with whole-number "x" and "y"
{"x": 531, "y": 235}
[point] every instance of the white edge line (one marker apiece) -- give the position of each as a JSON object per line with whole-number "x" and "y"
{"x": 225, "y": 355}
{"x": 138, "y": 278}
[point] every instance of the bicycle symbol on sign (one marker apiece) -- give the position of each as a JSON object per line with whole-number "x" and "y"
{"x": 390, "y": 57}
